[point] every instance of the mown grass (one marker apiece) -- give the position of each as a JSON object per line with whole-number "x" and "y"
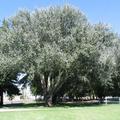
{"x": 95, "y": 112}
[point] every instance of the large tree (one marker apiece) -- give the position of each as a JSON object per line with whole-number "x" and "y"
{"x": 46, "y": 42}
{"x": 54, "y": 46}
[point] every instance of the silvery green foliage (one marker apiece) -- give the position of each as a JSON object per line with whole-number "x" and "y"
{"x": 51, "y": 42}
{"x": 46, "y": 41}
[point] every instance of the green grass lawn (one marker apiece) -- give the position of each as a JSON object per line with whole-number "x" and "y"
{"x": 103, "y": 112}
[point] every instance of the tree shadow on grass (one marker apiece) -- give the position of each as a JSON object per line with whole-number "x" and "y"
{"x": 78, "y": 104}
{"x": 23, "y": 105}
{"x": 42, "y": 104}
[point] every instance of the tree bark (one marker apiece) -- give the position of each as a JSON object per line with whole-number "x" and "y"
{"x": 48, "y": 100}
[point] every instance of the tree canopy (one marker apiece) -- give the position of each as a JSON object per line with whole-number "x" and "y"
{"x": 61, "y": 52}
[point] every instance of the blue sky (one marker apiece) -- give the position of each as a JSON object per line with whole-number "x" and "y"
{"x": 106, "y": 11}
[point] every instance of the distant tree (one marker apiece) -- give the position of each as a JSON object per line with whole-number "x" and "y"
{"x": 115, "y": 91}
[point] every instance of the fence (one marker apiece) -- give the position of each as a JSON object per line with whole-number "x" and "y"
{"x": 114, "y": 100}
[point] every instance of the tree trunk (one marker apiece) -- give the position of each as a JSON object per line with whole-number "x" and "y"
{"x": 101, "y": 99}
{"x": 1, "y": 97}
{"x": 48, "y": 100}
{"x": 54, "y": 99}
